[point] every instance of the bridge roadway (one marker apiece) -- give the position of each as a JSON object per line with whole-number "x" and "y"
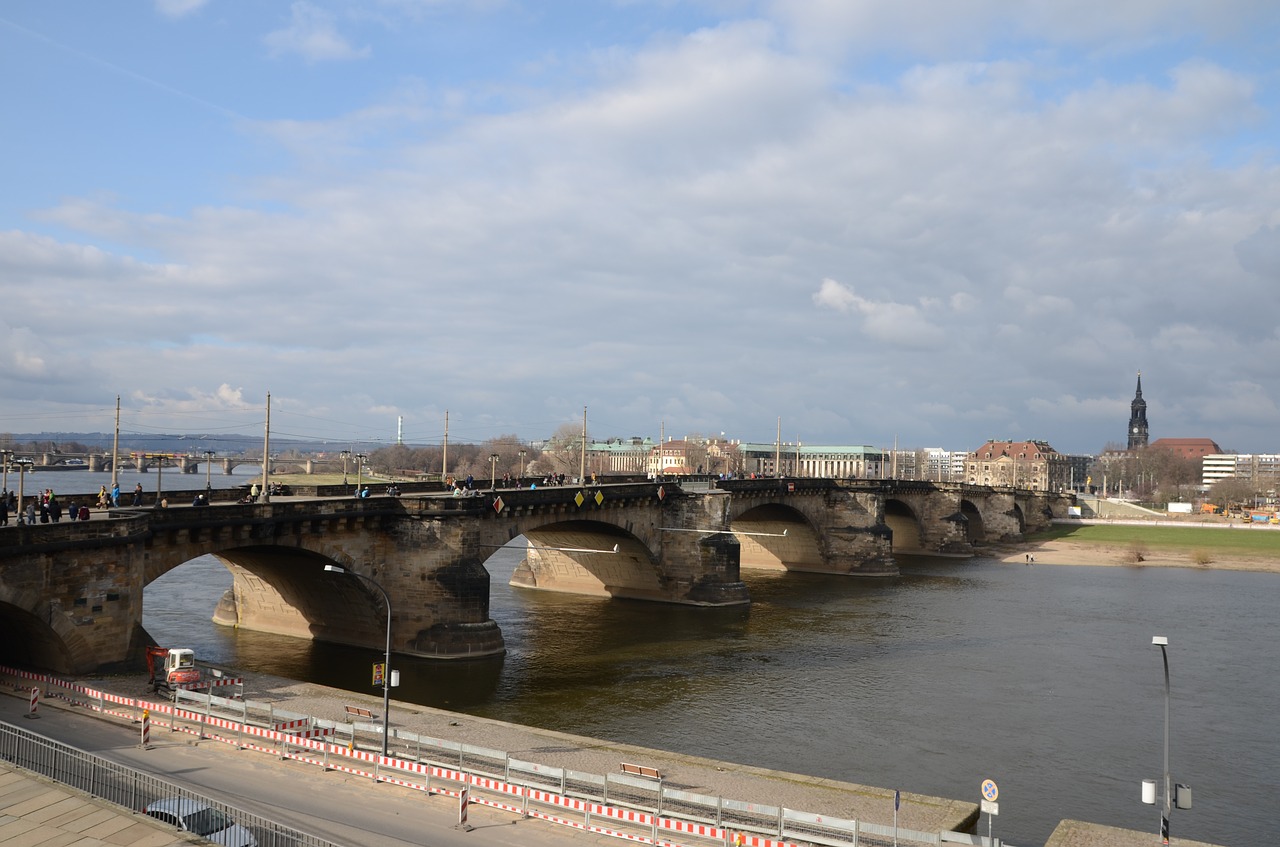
{"x": 71, "y": 593}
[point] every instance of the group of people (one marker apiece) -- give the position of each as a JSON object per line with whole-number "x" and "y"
{"x": 112, "y": 498}
{"x": 44, "y": 507}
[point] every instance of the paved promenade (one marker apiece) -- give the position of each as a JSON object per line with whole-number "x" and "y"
{"x": 38, "y": 812}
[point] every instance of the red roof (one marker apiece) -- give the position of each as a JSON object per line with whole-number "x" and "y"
{"x": 1013, "y": 449}
{"x": 1188, "y": 448}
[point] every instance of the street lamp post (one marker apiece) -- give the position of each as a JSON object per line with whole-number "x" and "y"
{"x": 493, "y": 471}
{"x": 386, "y": 667}
{"x": 522, "y": 455}
{"x": 360, "y": 457}
{"x": 22, "y": 473}
{"x": 346, "y": 454}
{"x": 1182, "y": 796}
{"x": 208, "y": 467}
{"x": 5, "y": 455}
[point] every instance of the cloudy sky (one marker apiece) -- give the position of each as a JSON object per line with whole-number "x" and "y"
{"x": 934, "y": 223}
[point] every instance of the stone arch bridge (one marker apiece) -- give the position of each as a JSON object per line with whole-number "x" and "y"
{"x": 71, "y": 593}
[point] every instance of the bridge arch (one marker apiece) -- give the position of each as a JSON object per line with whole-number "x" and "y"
{"x": 975, "y": 529}
{"x": 907, "y": 528}
{"x": 51, "y": 642}
{"x": 589, "y": 557}
{"x": 775, "y": 536}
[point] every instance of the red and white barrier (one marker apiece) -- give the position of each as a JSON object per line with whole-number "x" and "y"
{"x": 289, "y": 740}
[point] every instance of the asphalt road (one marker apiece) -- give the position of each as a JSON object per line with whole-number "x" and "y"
{"x": 339, "y": 807}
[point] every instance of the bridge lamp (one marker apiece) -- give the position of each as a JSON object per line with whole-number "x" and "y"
{"x": 208, "y": 466}
{"x": 522, "y": 455}
{"x": 346, "y": 454}
{"x": 360, "y": 457}
{"x": 159, "y": 457}
{"x": 386, "y": 667}
{"x": 493, "y": 471}
{"x": 6, "y": 455}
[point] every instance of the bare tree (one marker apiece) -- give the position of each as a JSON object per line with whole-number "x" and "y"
{"x": 563, "y": 453}
{"x": 1233, "y": 492}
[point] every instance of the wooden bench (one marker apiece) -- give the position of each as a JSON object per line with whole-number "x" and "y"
{"x": 359, "y": 712}
{"x": 641, "y": 770}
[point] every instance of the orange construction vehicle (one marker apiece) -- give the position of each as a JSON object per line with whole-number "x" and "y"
{"x": 170, "y": 667}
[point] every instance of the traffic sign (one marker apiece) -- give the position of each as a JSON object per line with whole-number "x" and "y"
{"x": 379, "y": 669}
{"x": 989, "y": 790}
{"x": 990, "y": 807}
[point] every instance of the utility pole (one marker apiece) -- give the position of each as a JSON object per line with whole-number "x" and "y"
{"x": 266, "y": 453}
{"x": 777, "y": 450}
{"x": 582, "y": 459}
{"x": 115, "y": 447}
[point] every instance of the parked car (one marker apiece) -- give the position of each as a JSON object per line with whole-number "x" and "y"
{"x": 202, "y": 819}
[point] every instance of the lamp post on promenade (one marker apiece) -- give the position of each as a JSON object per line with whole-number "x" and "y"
{"x": 208, "y": 468}
{"x": 493, "y": 471}
{"x": 360, "y": 457}
{"x": 6, "y": 455}
{"x": 522, "y": 455}
{"x": 22, "y": 472}
{"x": 386, "y": 667}
{"x": 346, "y": 454}
{"x": 1179, "y": 795}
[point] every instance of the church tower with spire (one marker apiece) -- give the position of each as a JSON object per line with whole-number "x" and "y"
{"x": 1138, "y": 419}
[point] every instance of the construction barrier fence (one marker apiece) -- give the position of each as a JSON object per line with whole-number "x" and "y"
{"x": 632, "y": 808}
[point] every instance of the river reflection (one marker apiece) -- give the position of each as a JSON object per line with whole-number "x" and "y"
{"x": 1041, "y": 678}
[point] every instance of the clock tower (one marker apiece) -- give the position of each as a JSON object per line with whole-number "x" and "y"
{"x": 1138, "y": 419}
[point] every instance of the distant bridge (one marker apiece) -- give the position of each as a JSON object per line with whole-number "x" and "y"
{"x": 141, "y": 460}
{"x": 71, "y": 593}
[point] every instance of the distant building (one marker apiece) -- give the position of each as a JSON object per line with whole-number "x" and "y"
{"x": 619, "y": 455}
{"x": 1019, "y": 464}
{"x": 1187, "y": 448}
{"x": 1138, "y": 430}
{"x": 1262, "y": 471}
{"x": 827, "y": 461}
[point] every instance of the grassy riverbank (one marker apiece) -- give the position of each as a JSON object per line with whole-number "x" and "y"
{"x": 1241, "y": 548}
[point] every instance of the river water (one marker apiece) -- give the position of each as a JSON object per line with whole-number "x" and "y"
{"x": 1041, "y": 678}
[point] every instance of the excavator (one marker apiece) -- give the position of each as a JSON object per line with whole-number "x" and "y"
{"x": 170, "y": 667}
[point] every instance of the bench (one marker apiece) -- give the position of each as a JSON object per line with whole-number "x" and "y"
{"x": 359, "y": 712}
{"x": 641, "y": 770}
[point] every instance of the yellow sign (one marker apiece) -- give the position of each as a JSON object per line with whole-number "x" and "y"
{"x": 379, "y": 671}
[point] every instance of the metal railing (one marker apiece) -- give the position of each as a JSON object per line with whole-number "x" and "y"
{"x": 127, "y": 787}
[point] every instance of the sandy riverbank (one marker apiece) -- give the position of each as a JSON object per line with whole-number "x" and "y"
{"x": 1062, "y": 552}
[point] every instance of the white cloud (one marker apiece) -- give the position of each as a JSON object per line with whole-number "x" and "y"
{"x": 313, "y": 34}
{"x": 178, "y": 8}
{"x": 892, "y": 323}
{"x": 626, "y": 235}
